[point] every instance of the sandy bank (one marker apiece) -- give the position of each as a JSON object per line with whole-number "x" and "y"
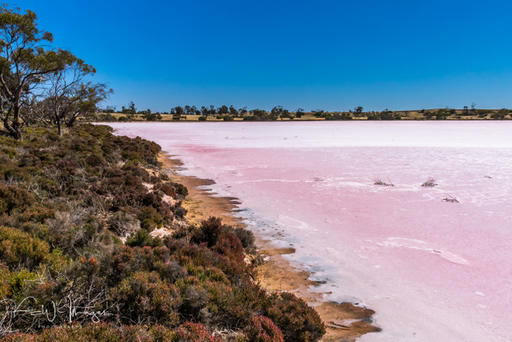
{"x": 344, "y": 322}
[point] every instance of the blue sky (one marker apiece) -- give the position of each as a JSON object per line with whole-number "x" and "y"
{"x": 332, "y": 55}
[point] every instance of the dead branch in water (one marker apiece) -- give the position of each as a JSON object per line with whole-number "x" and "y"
{"x": 380, "y": 182}
{"x": 429, "y": 183}
{"x": 451, "y": 199}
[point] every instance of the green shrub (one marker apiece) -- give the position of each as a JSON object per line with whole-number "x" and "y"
{"x": 20, "y": 282}
{"x": 19, "y": 249}
{"x": 144, "y": 297}
{"x": 5, "y": 276}
{"x": 142, "y": 238}
{"x": 150, "y": 218}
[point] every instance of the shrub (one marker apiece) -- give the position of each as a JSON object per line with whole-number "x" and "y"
{"x": 222, "y": 237}
{"x": 142, "y": 238}
{"x": 194, "y": 332}
{"x": 150, "y": 218}
{"x": 246, "y": 236}
{"x": 94, "y": 160}
{"x": 179, "y": 212}
{"x": 135, "y": 171}
{"x": 166, "y": 188}
{"x": 20, "y": 282}
{"x": 228, "y": 244}
{"x": 19, "y": 249}
{"x": 295, "y": 318}
{"x": 180, "y": 189}
{"x": 208, "y": 232}
{"x": 12, "y": 198}
{"x": 97, "y": 332}
{"x": 4, "y": 281}
{"x": 145, "y": 298}
{"x": 122, "y": 223}
{"x": 195, "y": 298}
{"x": 262, "y": 329}
{"x": 154, "y": 200}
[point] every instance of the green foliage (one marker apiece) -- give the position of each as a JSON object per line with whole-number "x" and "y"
{"x": 24, "y": 60}
{"x": 19, "y": 282}
{"x": 142, "y": 238}
{"x": 150, "y": 218}
{"x": 19, "y": 249}
{"x": 5, "y": 275}
{"x": 145, "y": 298}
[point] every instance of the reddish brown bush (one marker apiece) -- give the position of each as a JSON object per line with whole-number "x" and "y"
{"x": 262, "y": 329}
{"x": 295, "y": 318}
{"x": 97, "y": 332}
{"x": 12, "y": 198}
{"x": 194, "y": 332}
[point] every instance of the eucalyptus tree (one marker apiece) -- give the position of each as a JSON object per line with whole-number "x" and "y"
{"x": 25, "y": 62}
{"x": 69, "y": 94}
{"x": 233, "y": 111}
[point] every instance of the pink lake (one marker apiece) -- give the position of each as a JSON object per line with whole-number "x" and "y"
{"x": 433, "y": 270}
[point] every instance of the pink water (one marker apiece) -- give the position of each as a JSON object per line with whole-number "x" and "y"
{"x": 433, "y": 270}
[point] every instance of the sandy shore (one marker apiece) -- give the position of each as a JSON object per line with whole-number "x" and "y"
{"x": 344, "y": 321}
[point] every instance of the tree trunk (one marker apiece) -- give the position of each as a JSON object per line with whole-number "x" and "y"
{"x": 71, "y": 121}
{"x": 14, "y": 127}
{"x": 59, "y": 127}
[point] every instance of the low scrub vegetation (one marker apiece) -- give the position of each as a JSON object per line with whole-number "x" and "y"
{"x": 78, "y": 261}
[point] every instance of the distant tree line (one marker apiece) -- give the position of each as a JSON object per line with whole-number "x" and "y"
{"x": 230, "y": 113}
{"x": 40, "y": 84}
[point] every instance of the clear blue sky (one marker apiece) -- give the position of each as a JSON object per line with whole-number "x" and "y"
{"x": 331, "y": 55}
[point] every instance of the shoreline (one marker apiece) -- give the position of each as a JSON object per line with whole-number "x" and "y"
{"x": 343, "y": 321}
